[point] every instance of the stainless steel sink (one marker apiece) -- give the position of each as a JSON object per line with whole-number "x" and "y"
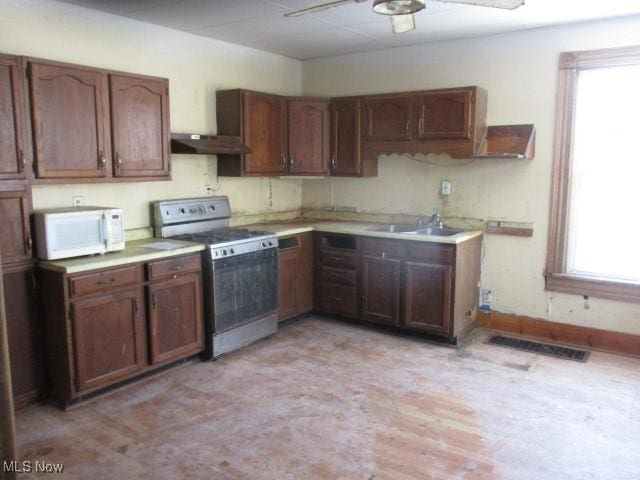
{"x": 441, "y": 231}
{"x": 419, "y": 230}
{"x": 397, "y": 228}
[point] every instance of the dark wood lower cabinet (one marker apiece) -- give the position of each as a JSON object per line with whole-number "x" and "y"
{"x": 295, "y": 275}
{"x": 427, "y": 297}
{"x": 381, "y": 290}
{"x": 108, "y": 338}
{"x": 24, "y": 331}
{"x": 175, "y": 318}
{"x": 110, "y": 325}
{"x": 419, "y": 286}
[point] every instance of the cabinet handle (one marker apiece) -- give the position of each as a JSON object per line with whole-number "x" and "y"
{"x": 333, "y": 162}
{"x": 408, "y": 126}
{"x": 284, "y": 161}
{"x": 136, "y": 307}
{"x": 22, "y": 160}
{"x": 106, "y": 281}
{"x": 153, "y": 301}
{"x": 28, "y": 243}
{"x": 118, "y": 160}
{"x": 103, "y": 160}
{"x": 420, "y": 124}
{"x": 291, "y": 162}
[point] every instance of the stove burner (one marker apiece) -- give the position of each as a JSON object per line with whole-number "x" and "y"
{"x": 221, "y": 235}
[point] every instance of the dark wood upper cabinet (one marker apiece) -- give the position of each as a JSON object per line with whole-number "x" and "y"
{"x": 381, "y": 289}
{"x": 444, "y": 114}
{"x": 428, "y": 298}
{"x": 261, "y": 121}
{"x": 176, "y": 318}
{"x": 346, "y": 140}
{"x": 139, "y": 126}
{"x": 108, "y": 338}
{"x": 388, "y": 117}
{"x": 15, "y": 235}
{"x": 308, "y": 128}
{"x": 25, "y": 334}
{"x": 13, "y": 152}
{"x": 69, "y": 121}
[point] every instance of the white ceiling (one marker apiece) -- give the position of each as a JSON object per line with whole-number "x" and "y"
{"x": 350, "y": 28}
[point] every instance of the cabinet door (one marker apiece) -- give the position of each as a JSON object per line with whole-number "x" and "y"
{"x": 176, "y": 318}
{"x": 24, "y": 332}
{"x": 108, "y": 338}
{"x": 15, "y": 235}
{"x": 287, "y": 282}
{"x": 12, "y": 134}
{"x": 381, "y": 290}
{"x": 388, "y": 118}
{"x": 139, "y": 126}
{"x": 427, "y": 299}
{"x": 68, "y": 109}
{"x": 345, "y": 137}
{"x": 308, "y": 137}
{"x": 444, "y": 115}
{"x": 265, "y": 133}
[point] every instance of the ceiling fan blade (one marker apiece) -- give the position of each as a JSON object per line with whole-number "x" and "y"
{"x": 506, "y": 4}
{"x": 319, "y": 8}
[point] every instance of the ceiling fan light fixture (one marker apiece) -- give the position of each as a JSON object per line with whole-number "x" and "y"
{"x": 397, "y": 7}
{"x": 403, "y": 23}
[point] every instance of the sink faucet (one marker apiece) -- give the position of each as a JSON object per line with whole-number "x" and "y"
{"x": 436, "y": 220}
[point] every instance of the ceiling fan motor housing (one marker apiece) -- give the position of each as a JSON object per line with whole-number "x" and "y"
{"x": 397, "y": 7}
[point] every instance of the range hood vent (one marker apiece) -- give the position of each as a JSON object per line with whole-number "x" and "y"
{"x": 194, "y": 144}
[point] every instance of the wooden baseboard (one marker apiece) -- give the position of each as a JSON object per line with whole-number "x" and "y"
{"x": 592, "y": 338}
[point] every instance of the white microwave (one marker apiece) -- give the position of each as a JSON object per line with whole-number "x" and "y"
{"x": 77, "y": 231}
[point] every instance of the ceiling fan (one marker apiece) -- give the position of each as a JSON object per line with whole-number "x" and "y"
{"x": 401, "y": 11}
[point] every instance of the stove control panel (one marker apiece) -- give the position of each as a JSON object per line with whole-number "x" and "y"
{"x": 239, "y": 248}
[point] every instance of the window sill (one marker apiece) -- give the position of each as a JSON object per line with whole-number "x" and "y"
{"x": 593, "y": 287}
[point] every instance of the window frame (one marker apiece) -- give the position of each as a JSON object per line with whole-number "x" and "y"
{"x": 556, "y": 277}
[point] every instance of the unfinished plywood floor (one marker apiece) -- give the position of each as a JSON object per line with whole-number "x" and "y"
{"x": 330, "y": 400}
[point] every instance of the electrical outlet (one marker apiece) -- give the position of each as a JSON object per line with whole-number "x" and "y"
{"x": 445, "y": 187}
{"x": 486, "y": 298}
{"x": 78, "y": 200}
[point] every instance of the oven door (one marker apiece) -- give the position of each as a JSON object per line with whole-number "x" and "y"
{"x": 245, "y": 289}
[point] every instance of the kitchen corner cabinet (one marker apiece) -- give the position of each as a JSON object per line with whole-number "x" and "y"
{"x": 96, "y": 125}
{"x": 450, "y": 121}
{"x": 308, "y": 129}
{"x": 295, "y": 275}
{"x": 416, "y": 286}
{"x": 346, "y": 140}
{"x": 24, "y": 331}
{"x": 13, "y": 136}
{"x": 285, "y": 136}
{"x": 108, "y": 326}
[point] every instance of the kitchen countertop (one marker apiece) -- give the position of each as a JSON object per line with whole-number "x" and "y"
{"x": 293, "y": 227}
{"x": 134, "y": 252}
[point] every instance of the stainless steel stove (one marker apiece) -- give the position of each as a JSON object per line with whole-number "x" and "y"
{"x": 240, "y": 270}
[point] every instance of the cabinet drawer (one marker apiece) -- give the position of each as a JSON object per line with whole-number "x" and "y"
{"x": 338, "y": 275}
{"x": 384, "y": 248}
{"x": 85, "y": 284}
{"x": 339, "y": 299}
{"x": 338, "y": 258}
{"x": 442, "y": 254}
{"x": 174, "y": 266}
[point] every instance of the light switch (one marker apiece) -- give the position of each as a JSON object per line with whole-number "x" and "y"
{"x": 445, "y": 187}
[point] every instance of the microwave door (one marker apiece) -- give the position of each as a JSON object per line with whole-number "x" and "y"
{"x": 77, "y": 235}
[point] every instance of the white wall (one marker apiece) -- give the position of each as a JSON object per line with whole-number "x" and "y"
{"x": 196, "y": 68}
{"x": 519, "y": 70}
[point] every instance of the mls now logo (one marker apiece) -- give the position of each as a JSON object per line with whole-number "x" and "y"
{"x": 29, "y": 467}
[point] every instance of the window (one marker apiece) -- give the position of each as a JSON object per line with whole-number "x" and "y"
{"x": 594, "y": 246}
